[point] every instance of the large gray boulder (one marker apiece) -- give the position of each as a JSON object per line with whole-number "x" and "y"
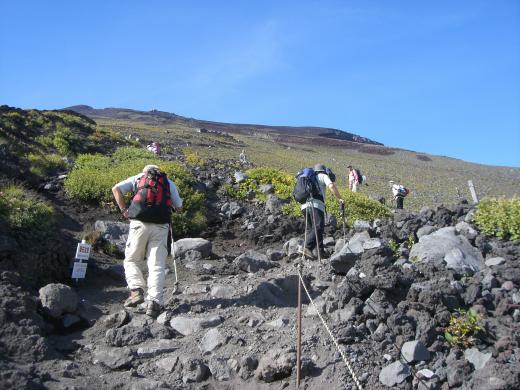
{"x": 113, "y": 358}
{"x": 253, "y": 261}
{"x": 394, "y": 374}
{"x": 477, "y": 359}
{"x": 57, "y": 299}
{"x": 342, "y": 261}
{"x": 414, "y": 351}
{"x": 186, "y": 326}
{"x": 114, "y": 232}
{"x": 200, "y": 245}
{"x": 444, "y": 246}
{"x": 240, "y": 177}
{"x": 212, "y": 340}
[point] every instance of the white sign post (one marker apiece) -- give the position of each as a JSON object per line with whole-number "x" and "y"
{"x": 81, "y": 260}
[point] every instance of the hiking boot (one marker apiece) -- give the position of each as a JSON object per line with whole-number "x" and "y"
{"x": 153, "y": 309}
{"x": 307, "y": 253}
{"x": 136, "y": 297}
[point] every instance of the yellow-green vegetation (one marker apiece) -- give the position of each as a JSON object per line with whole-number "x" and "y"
{"x": 22, "y": 212}
{"x": 357, "y": 206}
{"x": 282, "y": 183}
{"x": 193, "y": 158}
{"x": 463, "y": 325}
{"x": 499, "y": 218}
{"x": 409, "y": 241}
{"x": 93, "y": 177}
{"x": 394, "y": 247}
{"x": 44, "y": 165}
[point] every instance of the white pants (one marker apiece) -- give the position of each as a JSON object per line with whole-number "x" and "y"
{"x": 353, "y": 186}
{"x": 146, "y": 241}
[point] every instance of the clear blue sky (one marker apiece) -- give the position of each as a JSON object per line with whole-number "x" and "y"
{"x": 441, "y": 77}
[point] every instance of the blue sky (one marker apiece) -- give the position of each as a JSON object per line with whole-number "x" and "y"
{"x": 441, "y": 77}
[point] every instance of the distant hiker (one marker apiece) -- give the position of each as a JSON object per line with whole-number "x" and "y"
{"x": 150, "y": 215}
{"x": 399, "y": 192}
{"x": 313, "y": 206}
{"x": 243, "y": 158}
{"x": 155, "y": 148}
{"x": 353, "y": 179}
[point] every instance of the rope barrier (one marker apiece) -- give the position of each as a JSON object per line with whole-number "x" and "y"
{"x": 345, "y": 359}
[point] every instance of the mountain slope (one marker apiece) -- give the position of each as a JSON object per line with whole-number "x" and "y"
{"x": 155, "y": 117}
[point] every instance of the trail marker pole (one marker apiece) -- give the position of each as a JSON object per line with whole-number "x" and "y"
{"x": 299, "y": 332}
{"x": 472, "y": 191}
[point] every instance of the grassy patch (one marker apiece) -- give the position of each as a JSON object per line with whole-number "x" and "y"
{"x": 22, "y": 212}
{"x": 93, "y": 177}
{"x": 499, "y": 218}
{"x": 45, "y": 165}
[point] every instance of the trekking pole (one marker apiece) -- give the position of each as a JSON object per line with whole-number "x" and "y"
{"x": 172, "y": 250}
{"x": 299, "y": 330}
{"x": 343, "y": 218}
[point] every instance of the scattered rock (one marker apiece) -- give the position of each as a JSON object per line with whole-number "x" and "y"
{"x": 477, "y": 359}
{"x": 200, "y": 245}
{"x": 253, "y": 261}
{"x": 394, "y": 374}
{"x": 414, "y": 351}
{"x": 57, "y": 299}
{"x": 212, "y": 340}
{"x": 114, "y": 358}
{"x": 275, "y": 365}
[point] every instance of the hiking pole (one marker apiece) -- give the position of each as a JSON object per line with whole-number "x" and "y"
{"x": 172, "y": 251}
{"x": 299, "y": 330}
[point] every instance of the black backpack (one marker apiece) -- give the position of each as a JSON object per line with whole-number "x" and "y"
{"x": 359, "y": 175}
{"x": 152, "y": 201}
{"x": 307, "y": 186}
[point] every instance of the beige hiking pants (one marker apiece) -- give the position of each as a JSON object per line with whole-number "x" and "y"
{"x": 146, "y": 241}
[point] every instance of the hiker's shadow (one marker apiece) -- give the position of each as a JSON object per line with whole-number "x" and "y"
{"x": 277, "y": 292}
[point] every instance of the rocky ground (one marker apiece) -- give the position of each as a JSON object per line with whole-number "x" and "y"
{"x": 231, "y": 322}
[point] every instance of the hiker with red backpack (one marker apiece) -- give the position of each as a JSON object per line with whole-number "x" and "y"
{"x": 353, "y": 179}
{"x": 149, "y": 212}
{"x": 310, "y": 191}
{"x": 399, "y": 192}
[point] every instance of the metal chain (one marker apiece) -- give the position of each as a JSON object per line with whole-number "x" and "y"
{"x": 345, "y": 359}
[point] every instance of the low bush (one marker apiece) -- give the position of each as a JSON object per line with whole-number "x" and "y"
{"x": 22, "y": 212}
{"x": 93, "y": 177}
{"x": 45, "y": 165}
{"x": 499, "y": 218}
{"x": 462, "y": 327}
{"x": 193, "y": 158}
{"x": 282, "y": 183}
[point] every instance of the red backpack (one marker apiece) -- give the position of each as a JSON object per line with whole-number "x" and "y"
{"x": 152, "y": 201}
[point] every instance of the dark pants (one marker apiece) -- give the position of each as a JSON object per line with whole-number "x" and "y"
{"x": 399, "y": 201}
{"x": 319, "y": 219}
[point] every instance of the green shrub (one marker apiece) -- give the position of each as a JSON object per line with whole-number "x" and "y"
{"x": 282, "y": 183}
{"x": 63, "y": 140}
{"x": 193, "y": 158}
{"x": 93, "y": 177}
{"x": 45, "y": 165}
{"x": 463, "y": 325}
{"x": 22, "y": 212}
{"x": 499, "y": 218}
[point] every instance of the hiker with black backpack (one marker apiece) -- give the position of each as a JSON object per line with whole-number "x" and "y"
{"x": 149, "y": 212}
{"x": 310, "y": 190}
{"x": 399, "y": 192}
